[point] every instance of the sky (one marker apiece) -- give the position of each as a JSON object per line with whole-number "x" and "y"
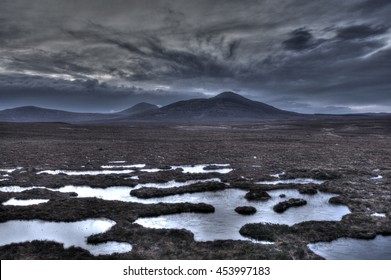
{"x": 326, "y": 56}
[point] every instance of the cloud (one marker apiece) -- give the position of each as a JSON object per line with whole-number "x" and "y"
{"x": 334, "y": 53}
{"x": 360, "y": 31}
{"x": 79, "y": 95}
{"x": 300, "y": 39}
{"x": 369, "y": 6}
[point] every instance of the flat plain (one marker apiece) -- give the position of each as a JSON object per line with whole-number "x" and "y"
{"x": 352, "y": 155}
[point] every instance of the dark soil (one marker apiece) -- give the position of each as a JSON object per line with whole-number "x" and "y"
{"x": 194, "y": 188}
{"x": 343, "y": 151}
{"x": 310, "y": 190}
{"x": 285, "y": 205}
{"x": 245, "y": 210}
{"x": 257, "y": 195}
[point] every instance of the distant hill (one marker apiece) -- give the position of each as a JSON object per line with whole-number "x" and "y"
{"x": 227, "y": 106}
{"x": 139, "y": 108}
{"x": 37, "y": 114}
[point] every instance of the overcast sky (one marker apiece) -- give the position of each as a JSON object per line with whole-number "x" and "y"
{"x": 106, "y": 55}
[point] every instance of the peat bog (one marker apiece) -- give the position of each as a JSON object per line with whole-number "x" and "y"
{"x": 133, "y": 173}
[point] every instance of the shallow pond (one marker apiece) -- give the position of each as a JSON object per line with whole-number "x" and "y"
{"x": 381, "y": 215}
{"x": 123, "y": 166}
{"x": 203, "y": 168}
{"x": 24, "y": 202}
{"x": 9, "y": 170}
{"x": 69, "y": 234}
{"x": 354, "y": 249}
{"x": 298, "y": 181}
{"x": 121, "y": 169}
{"x": 85, "y": 173}
{"x": 4, "y": 173}
{"x": 120, "y": 193}
{"x": 225, "y": 223}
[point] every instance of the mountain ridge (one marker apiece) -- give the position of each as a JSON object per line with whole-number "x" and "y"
{"x": 139, "y": 108}
{"x": 224, "y": 107}
{"x": 40, "y": 114}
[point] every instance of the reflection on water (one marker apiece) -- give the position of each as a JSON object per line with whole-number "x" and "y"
{"x": 112, "y": 193}
{"x": 298, "y": 181}
{"x": 173, "y": 183}
{"x": 69, "y": 234}
{"x": 4, "y": 173}
{"x": 378, "y": 177}
{"x": 24, "y": 202}
{"x": 18, "y": 189}
{"x": 277, "y": 175}
{"x": 84, "y": 173}
{"x": 195, "y": 169}
{"x": 121, "y": 169}
{"x": 381, "y": 215}
{"x": 123, "y": 166}
{"x": 10, "y": 170}
{"x": 354, "y": 249}
{"x": 225, "y": 223}
{"x": 203, "y": 168}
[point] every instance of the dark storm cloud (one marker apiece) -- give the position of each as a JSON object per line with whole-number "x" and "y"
{"x": 49, "y": 63}
{"x": 360, "y": 31}
{"x": 372, "y": 5}
{"x": 78, "y": 95}
{"x": 232, "y": 49}
{"x": 149, "y": 53}
{"x": 300, "y": 39}
{"x": 303, "y": 55}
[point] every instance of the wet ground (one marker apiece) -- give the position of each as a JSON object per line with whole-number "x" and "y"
{"x": 378, "y": 248}
{"x": 351, "y": 156}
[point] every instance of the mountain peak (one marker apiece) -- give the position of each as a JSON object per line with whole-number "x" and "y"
{"x": 229, "y": 95}
{"x": 25, "y": 108}
{"x": 139, "y": 108}
{"x": 144, "y": 105}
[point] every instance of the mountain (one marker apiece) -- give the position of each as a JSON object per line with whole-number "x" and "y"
{"x": 227, "y": 106}
{"x": 139, "y": 108}
{"x": 37, "y": 114}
